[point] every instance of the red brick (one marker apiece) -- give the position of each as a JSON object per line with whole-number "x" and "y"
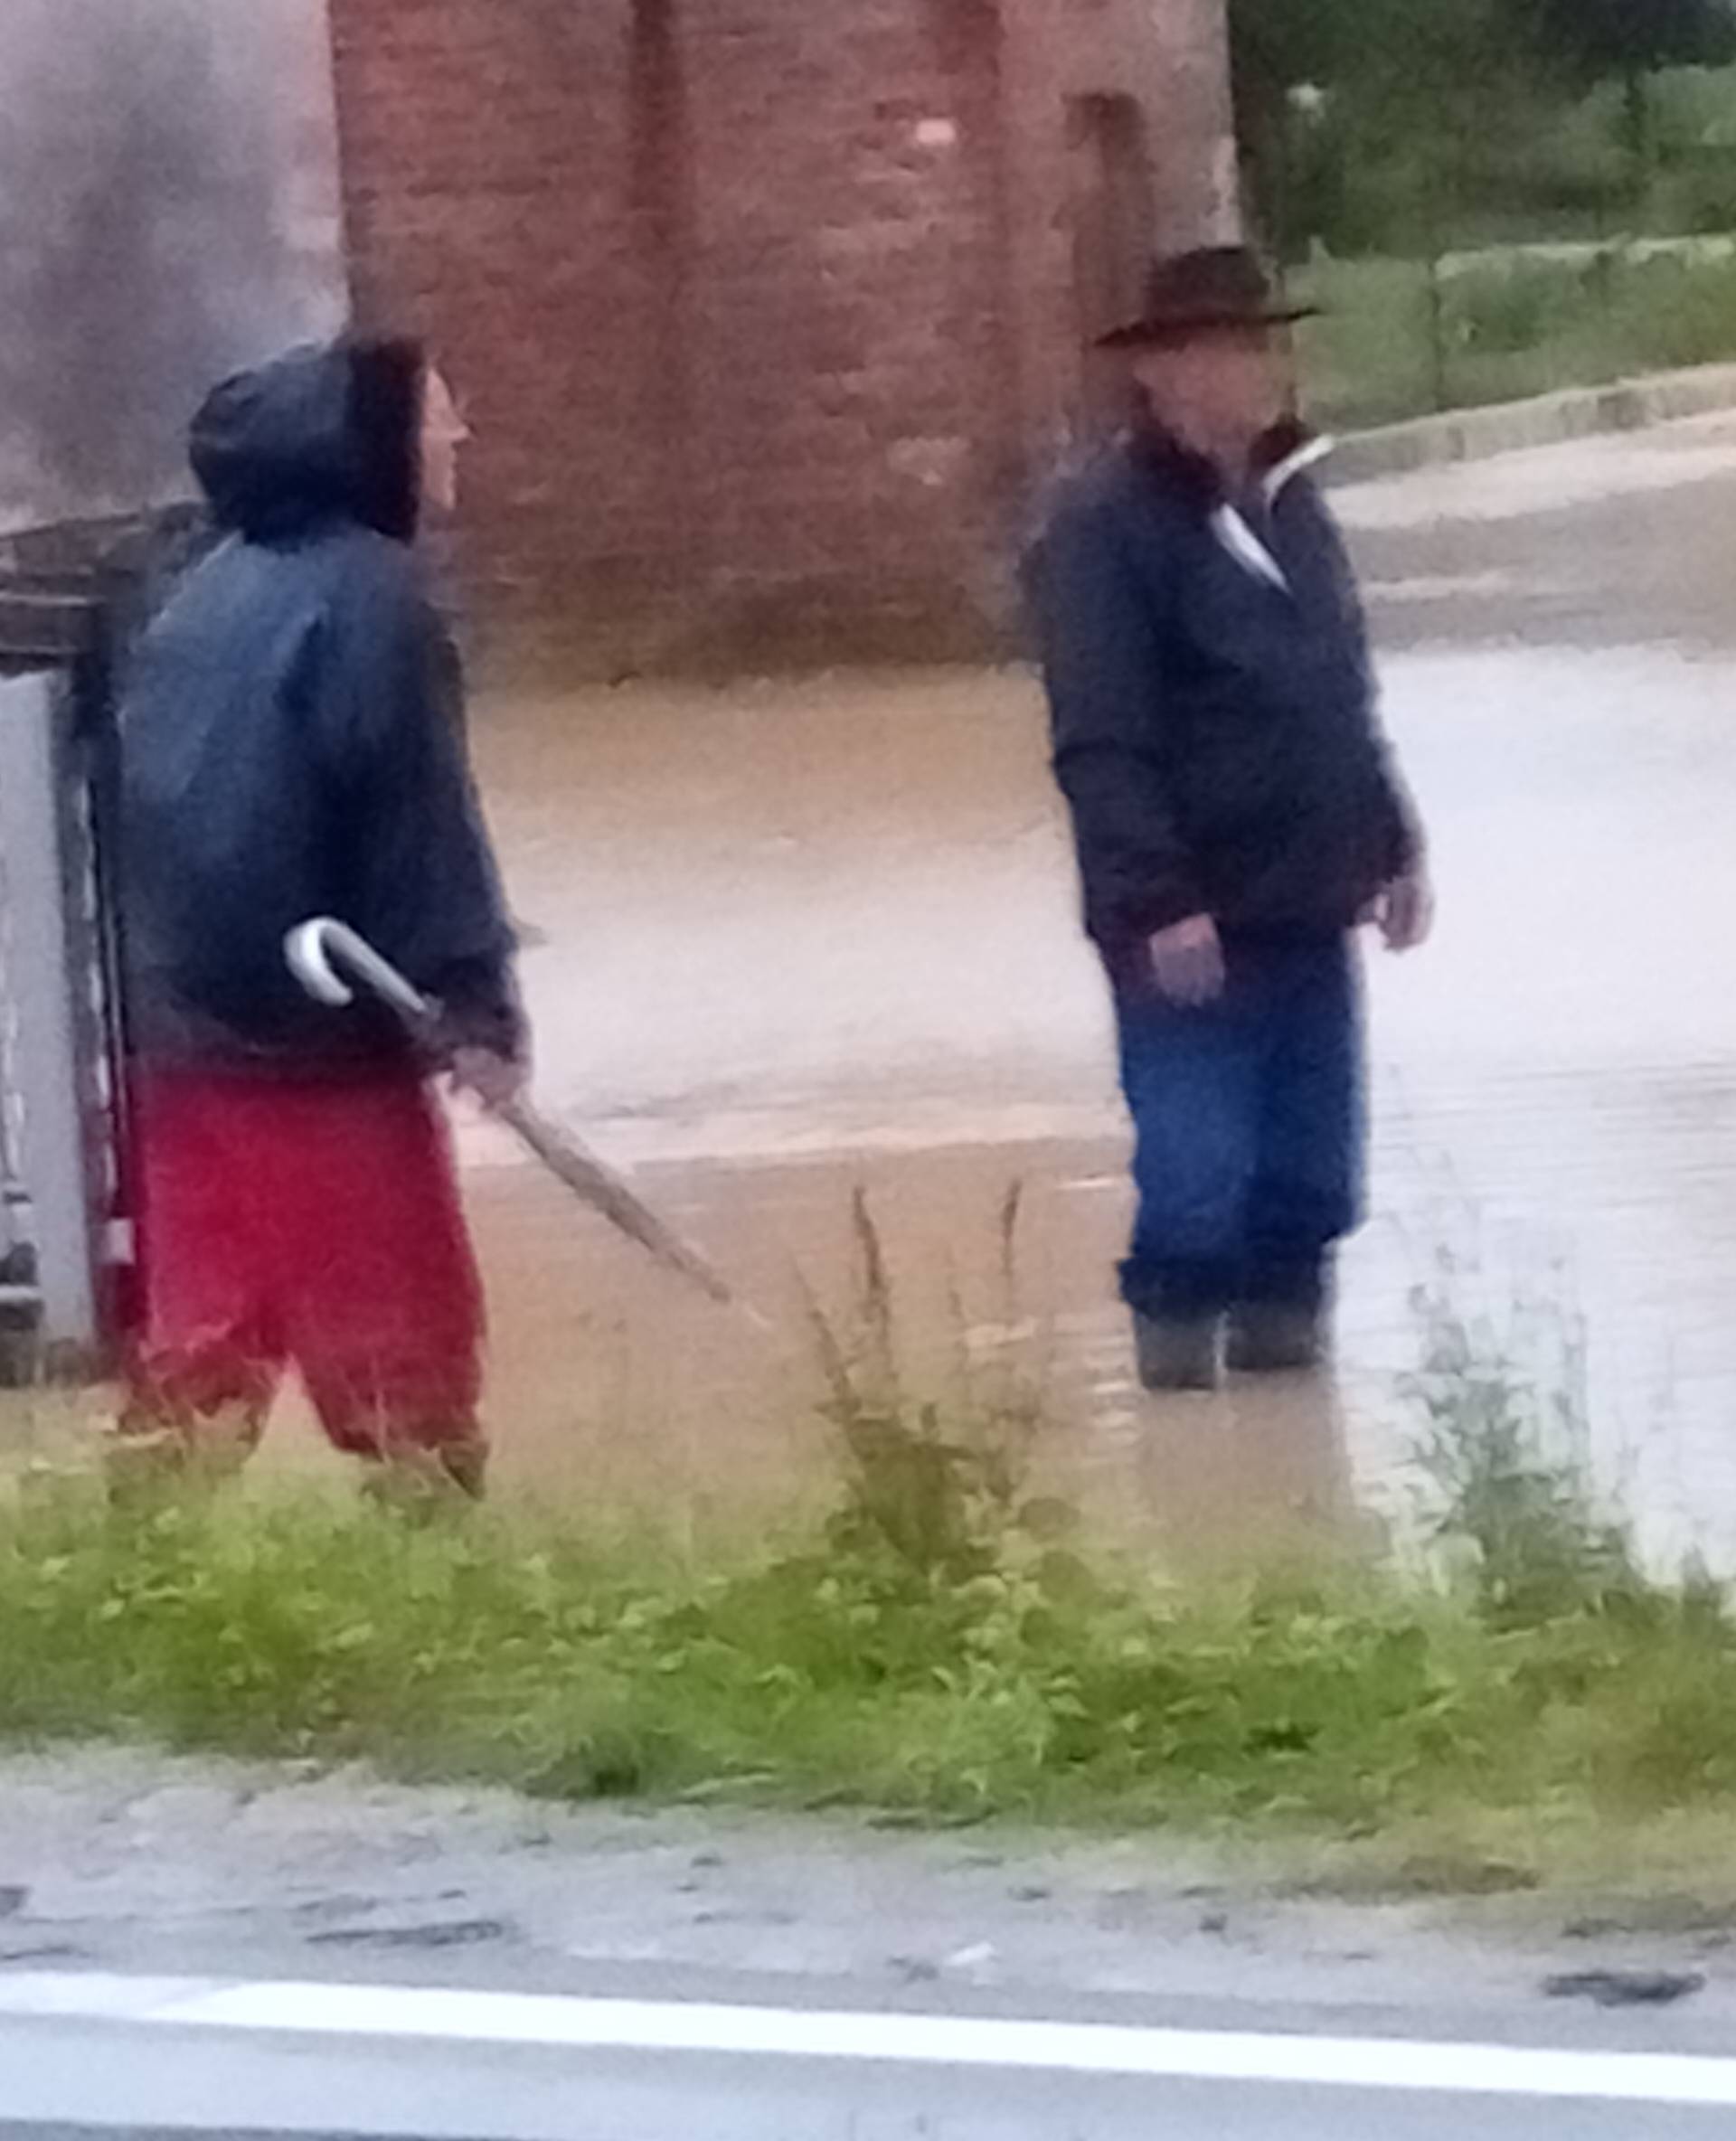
{"x": 765, "y": 310}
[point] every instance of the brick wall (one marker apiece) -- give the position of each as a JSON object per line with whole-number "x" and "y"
{"x": 764, "y": 308}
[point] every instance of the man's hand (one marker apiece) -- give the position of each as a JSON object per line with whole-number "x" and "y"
{"x": 1187, "y": 962}
{"x": 496, "y": 1080}
{"x": 1405, "y": 911}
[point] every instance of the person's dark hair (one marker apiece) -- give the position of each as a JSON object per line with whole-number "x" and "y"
{"x": 387, "y": 389}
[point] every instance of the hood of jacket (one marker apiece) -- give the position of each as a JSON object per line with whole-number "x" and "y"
{"x": 323, "y": 436}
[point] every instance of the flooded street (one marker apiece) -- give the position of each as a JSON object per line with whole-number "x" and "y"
{"x": 796, "y": 938}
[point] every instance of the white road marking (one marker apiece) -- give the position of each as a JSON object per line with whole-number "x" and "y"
{"x": 559, "y": 2024}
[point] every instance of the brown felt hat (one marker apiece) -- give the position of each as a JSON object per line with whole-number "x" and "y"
{"x": 1203, "y": 292}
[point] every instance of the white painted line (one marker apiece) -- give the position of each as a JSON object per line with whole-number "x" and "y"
{"x": 94, "y": 1998}
{"x": 516, "y": 2019}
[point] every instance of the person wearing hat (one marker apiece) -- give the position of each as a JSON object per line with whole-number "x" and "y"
{"x": 1238, "y": 817}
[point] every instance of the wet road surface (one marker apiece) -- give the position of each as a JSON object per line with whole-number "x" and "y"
{"x": 246, "y": 1946}
{"x": 85, "y": 2055}
{"x": 801, "y": 937}
{"x": 797, "y": 938}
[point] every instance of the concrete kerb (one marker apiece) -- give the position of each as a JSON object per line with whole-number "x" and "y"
{"x": 1550, "y": 419}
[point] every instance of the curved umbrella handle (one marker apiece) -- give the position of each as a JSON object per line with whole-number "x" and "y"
{"x": 321, "y": 952}
{"x": 328, "y": 958}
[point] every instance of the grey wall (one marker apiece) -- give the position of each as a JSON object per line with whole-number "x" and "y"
{"x": 168, "y": 210}
{"x": 1192, "y": 134}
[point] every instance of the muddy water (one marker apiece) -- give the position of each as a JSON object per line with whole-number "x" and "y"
{"x": 615, "y": 1384}
{"x": 794, "y": 939}
{"x": 806, "y": 938}
{"x": 799, "y": 941}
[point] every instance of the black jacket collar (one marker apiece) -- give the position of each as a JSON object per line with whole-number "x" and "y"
{"x": 1162, "y": 455}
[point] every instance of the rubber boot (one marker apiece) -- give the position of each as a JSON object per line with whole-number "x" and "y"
{"x": 1177, "y": 1353}
{"x": 1279, "y": 1338}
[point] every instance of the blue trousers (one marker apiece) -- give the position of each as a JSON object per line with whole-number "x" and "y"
{"x": 1250, "y": 1123}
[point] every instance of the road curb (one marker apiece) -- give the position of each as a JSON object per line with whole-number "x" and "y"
{"x": 1550, "y": 419}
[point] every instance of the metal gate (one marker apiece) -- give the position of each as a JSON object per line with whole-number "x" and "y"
{"x": 65, "y": 1235}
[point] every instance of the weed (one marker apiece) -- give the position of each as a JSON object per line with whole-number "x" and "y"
{"x": 1506, "y": 1457}
{"x": 1508, "y": 326}
{"x": 941, "y": 1494}
{"x": 941, "y": 1648}
{"x": 1514, "y": 308}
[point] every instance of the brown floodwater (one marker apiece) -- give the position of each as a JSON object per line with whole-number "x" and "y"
{"x": 793, "y": 941}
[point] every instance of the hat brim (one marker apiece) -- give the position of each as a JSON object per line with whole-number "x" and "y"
{"x": 1150, "y": 334}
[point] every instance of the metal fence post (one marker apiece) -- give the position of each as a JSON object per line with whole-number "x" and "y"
{"x": 46, "y": 1073}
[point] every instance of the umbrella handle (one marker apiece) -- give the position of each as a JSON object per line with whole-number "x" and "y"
{"x": 316, "y": 950}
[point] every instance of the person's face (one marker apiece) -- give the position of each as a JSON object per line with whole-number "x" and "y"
{"x": 1219, "y": 391}
{"x": 444, "y": 432}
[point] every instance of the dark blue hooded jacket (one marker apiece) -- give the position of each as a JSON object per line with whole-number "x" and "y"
{"x": 1214, "y": 702}
{"x": 292, "y": 740}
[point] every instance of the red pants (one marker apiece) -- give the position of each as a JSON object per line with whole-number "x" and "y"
{"x": 304, "y": 1225}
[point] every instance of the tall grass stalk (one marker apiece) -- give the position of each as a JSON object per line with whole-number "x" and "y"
{"x": 940, "y": 1645}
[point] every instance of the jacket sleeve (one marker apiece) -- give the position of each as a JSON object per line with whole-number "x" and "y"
{"x": 1100, "y": 644}
{"x": 424, "y": 883}
{"x": 1408, "y": 849}
{"x": 1406, "y": 845}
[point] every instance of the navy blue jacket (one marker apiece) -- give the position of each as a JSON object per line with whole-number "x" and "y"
{"x": 292, "y": 741}
{"x": 1214, "y": 701}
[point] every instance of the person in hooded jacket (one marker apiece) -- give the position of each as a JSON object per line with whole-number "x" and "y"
{"x": 292, "y": 746}
{"x": 1237, "y": 815}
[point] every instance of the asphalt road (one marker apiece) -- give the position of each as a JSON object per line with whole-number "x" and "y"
{"x": 448, "y": 2098}
{"x": 163, "y": 2058}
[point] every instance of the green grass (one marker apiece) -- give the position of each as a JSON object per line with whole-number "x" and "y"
{"x": 1506, "y": 330}
{"x": 1010, "y": 1677}
{"x": 946, "y": 1647}
{"x": 943, "y": 1648}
